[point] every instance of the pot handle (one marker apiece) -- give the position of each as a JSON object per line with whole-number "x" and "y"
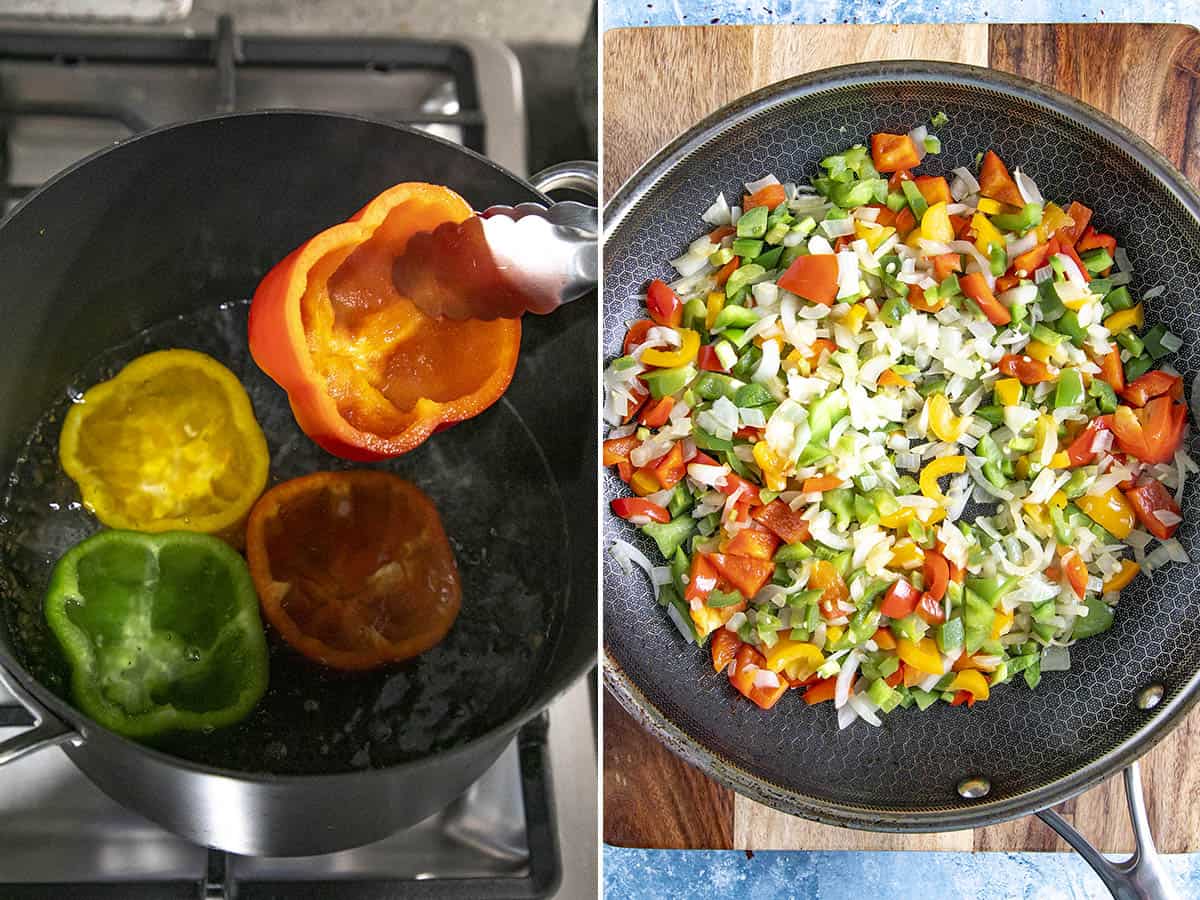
{"x": 1142, "y": 876}
{"x": 48, "y": 730}
{"x": 580, "y": 175}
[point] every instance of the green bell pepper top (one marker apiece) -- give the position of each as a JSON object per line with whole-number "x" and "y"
{"x": 161, "y": 631}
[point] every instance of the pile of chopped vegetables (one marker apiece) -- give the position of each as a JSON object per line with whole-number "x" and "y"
{"x": 899, "y": 438}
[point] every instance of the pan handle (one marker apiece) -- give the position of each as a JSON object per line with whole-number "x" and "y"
{"x": 580, "y": 175}
{"x": 49, "y": 730}
{"x": 1142, "y": 876}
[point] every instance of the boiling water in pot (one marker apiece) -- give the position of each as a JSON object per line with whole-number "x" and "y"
{"x": 501, "y": 509}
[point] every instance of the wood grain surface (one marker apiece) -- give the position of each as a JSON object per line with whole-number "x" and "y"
{"x": 660, "y": 81}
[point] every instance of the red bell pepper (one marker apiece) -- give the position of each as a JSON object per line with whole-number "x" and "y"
{"x": 404, "y": 375}
{"x": 655, "y": 415}
{"x": 726, "y": 270}
{"x": 905, "y": 222}
{"x": 1147, "y": 499}
{"x": 617, "y": 450}
{"x": 671, "y": 468}
{"x": 745, "y": 573}
{"x": 753, "y": 542}
{"x": 1079, "y": 451}
{"x": 893, "y": 152}
{"x": 1025, "y": 368}
{"x": 779, "y": 518}
{"x": 815, "y": 278}
{"x": 635, "y": 509}
{"x": 1076, "y": 570}
{"x": 976, "y": 287}
{"x": 707, "y": 359}
{"x": 724, "y": 645}
{"x": 931, "y": 610}
{"x": 663, "y": 304}
{"x": 996, "y": 183}
{"x": 748, "y": 663}
{"x": 896, "y": 182}
{"x": 1111, "y": 370}
{"x": 900, "y": 600}
{"x": 636, "y": 334}
{"x": 945, "y": 265}
{"x": 702, "y": 578}
{"x": 937, "y": 574}
{"x": 770, "y": 196}
{"x": 1153, "y": 384}
{"x": 1152, "y": 433}
{"x": 1081, "y": 216}
{"x": 934, "y": 189}
{"x": 1026, "y": 263}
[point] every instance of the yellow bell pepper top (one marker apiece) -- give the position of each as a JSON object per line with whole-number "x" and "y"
{"x": 942, "y": 421}
{"x": 170, "y": 443}
{"x": 1121, "y": 578}
{"x": 1001, "y": 624}
{"x": 989, "y": 207}
{"x": 946, "y": 465}
{"x": 935, "y": 224}
{"x": 1110, "y": 510}
{"x": 773, "y": 468}
{"x": 922, "y": 655}
{"x": 1008, "y": 391}
{"x": 971, "y": 681}
{"x": 787, "y": 652}
{"x": 873, "y": 234}
{"x": 906, "y": 554}
{"x": 855, "y": 317}
{"x": 712, "y": 308}
{"x": 986, "y": 234}
{"x": 1125, "y": 318}
{"x": 670, "y": 359}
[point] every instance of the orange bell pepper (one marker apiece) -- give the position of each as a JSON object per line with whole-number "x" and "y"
{"x": 893, "y": 152}
{"x": 368, "y": 375}
{"x": 995, "y": 182}
{"x": 749, "y": 663}
{"x": 770, "y": 196}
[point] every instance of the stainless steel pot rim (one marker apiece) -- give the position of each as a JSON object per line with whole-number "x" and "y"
{"x": 1178, "y": 698}
{"x": 80, "y": 724}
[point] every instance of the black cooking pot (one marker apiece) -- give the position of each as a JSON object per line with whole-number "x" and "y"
{"x": 159, "y": 241}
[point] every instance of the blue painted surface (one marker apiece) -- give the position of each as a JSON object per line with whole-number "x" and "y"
{"x": 626, "y": 13}
{"x": 845, "y": 875}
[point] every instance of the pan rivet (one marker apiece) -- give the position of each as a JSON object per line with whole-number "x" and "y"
{"x": 974, "y": 788}
{"x": 1150, "y": 696}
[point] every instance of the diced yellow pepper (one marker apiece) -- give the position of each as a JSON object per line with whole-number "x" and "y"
{"x": 1045, "y": 434}
{"x": 644, "y": 482}
{"x": 942, "y": 421}
{"x": 1124, "y": 318}
{"x": 1058, "y": 498}
{"x": 989, "y": 207}
{"x": 787, "y": 652}
{"x": 971, "y": 681}
{"x": 1036, "y": 513}
{"x": 1060, "y": 460}
{"x": 1054, "y": 217}
{"x": 922, "y": 655}
{"x": 1021, "y": 468}
{"x": 1039, "y": 351}
{"x": 833, "y": 634}
{"x": 669, "y": 359}
{"x": 1008, "y": 391}
{"x": 873, "y": 234}
{"x": 1001, "y": 624}
{"x": 708, "y": 619}
{"x": 935, "y": 224}
{"x": 1123, "y": 576}
{"x": 905, "y": 514}
{"x": 1110, "y": 510}
{"x": 772, "y": 466}
{"x": 986, "y": 234}
{"x": 713, "y": 307}
{"x": 946, "y": 465}
{"x": 855, "y": 317}
{"x": 906, "y": 555}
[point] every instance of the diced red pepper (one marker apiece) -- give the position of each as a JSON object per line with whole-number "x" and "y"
{"x": 900, "y": 600}
{"x": 896, "y": 677}
{"x": 937, "y": 574}
{"x": 1026, "y": 263}
{"x": 1025, "y": 368}
{"x": 1076, "y": 570}
{"x": 884, "y": 216}
{"x": 745, "y": 573}
{"x": 945, "y": 265}
{"x": 1111, "y": 370}
{"x": 893, "y": 152}
{"x": 961, "y": 697}
{"x": 779, "y": 518}
{"x": 707, "y": 359}
{"x": 636, "y": 508}
{"x": 825, "y": 689}
{"x": 1152, "y": 433}
{"x": 748, "y": 663}
{"x": 724, "y": 646}
{"x": 733, "y": 481}
{"x": 637, "y": 334}
{"x": 655, "y": 415}
{"x": 753, "y": 542}
{"x": 1153, "y": 384}
{"x": 721, "y": 232}
{"x": 617, "y": 450}
{"x": 933, "y": 188}
{"x": 961, "y": 226}
{"x": 1069, "y": 251}
{"x": 1081, "y": 216}
{"x": 1147, "y": 499}
{"x": 663, "y": 304}
{"x": 1079, "y": 451}
{"x": 726, "y": 270}
{"x": 905, "y": 222}
{"x": 770, "y": 196}
{"x": 896, "y": 182}
{"x": 975, "y": 286}
{"x": 671, "y": 468}
{"x": 702, "y": 578}
{"x": 1091, "y": 239}
{"x": 931, "y": 610}
{"x": 996, "y": 183}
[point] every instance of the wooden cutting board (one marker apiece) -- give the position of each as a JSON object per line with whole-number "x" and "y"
{"x": 660, "y": 81}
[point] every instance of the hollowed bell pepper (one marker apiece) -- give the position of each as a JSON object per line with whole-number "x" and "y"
{"x": 353, "y": 568}
{"x": 169, "y": 444}
{"x": 161, "y": 632}
{"x": 368, "y": 375}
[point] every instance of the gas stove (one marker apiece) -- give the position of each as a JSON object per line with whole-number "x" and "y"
{"x": 65, "y": 94}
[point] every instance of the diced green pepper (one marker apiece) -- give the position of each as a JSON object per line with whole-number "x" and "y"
{"x": 950, "y": 635}
{"x": 1131, "y": 342}
{"x": 744, "y": 276}
{"x": 1106, "y": 397}
{"x": 1098, "y": 619}
{"x": 681, "y": 501}
{"x": 1119, "y": 298}
{"x": 1030, "y": 216}
{"x": 1069, "y": 325}
{"x": 770, "y": 259}
{"x": 1137, "y": 367}
{"x": 916, "y": 201}
{"x": 1069, "y": 391}
{"x": 1096, "y": 261}
{"x": 711, "y": 385}
{"x": 1153, "y": 341}
{"x": 792, "y": 553}
{"x": 718, "y": 599}
{"x": 748, "y": 248}
{"x": 747, "y": 362}
{"x": 753, "y": 223}
{"x": 750, "y": 395}
{"x": 670, "y": 535}
{"x": 885, "y": 697}
{"x": 664, "y": 382}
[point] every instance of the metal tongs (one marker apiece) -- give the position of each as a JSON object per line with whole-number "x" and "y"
{"x": 503, "y": 262}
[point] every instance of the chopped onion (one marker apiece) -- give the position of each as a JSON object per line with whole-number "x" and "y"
{"x": 685, "y": 628}
{"x": 845, "y": 678}
{"x": 918, "y": 136}
{"x": 1056, "y": 659}
{"x": 1028, "y": 187}
{"x": 625, "y": 553}
{"x": 753, "y": 187}
{"x": 865, "y": 707}
{"x": 836, "y": 228}
{"x": 690, "y": 263}
{"x": 718, "y": 213}
{"x": 846, "y": 716}
{"x": 818, "y": 246}
{"x": 709, "y": 476}
{"x": 768, "y": 367}
{"x": 964, "y": 184}
{"x": 848, "y": 280}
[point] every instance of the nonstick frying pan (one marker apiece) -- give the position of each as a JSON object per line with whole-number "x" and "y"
{"x": 158, "y": 242}
{"x": 1021, "y": 752}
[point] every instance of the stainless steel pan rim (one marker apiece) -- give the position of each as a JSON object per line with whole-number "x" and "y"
{"x": 59, "y": 723}
{"x": 1178, "y": 698}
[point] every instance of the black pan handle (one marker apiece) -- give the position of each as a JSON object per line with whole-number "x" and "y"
{"x": 1140, "y": 877}
{"x": 48, "y": 729}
